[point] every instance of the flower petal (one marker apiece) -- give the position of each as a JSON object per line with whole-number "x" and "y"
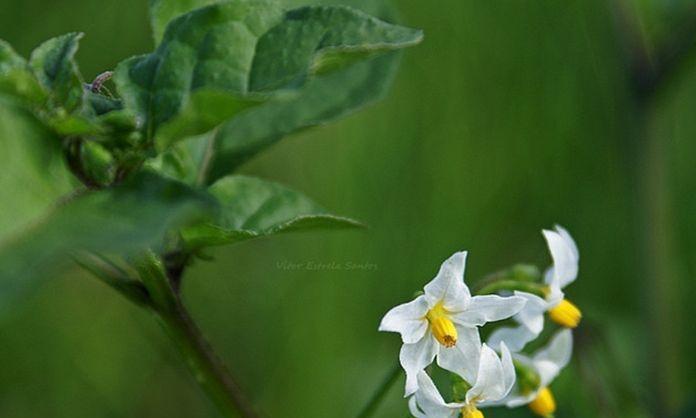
{"x": 565, "y": 257}
{"x": 489, "y": 308}
{"x": 416, "y": 357}
{"x": 450, "y": 279}
{"x": 489, "y": 385}
{"x": 532, "y": 315}
{"x": 408, "y": 320}
{"x": 431, "y": 402}
{"x": 463, "y": 358}
{"x": 508, "y": 369}
{"x": 550, "y": 360}
{"x": 514, "y": 337}
{"x": 414, "y": 409}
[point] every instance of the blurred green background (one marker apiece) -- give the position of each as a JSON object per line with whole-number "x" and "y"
{"x": 511, "y": 116}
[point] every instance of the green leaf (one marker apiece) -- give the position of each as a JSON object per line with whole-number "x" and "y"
{"x": 210, "y": 48}
{"x": 16, "y": 77}
{"x": 234, "y": 47}
{"x": 54, "y": 65}
{"x": 164, "y": 11}
{"x": 131, "y": 217}
{"x": 204, "y": 110}
{"x": 308, "y": 33}
{"x": 34, "y": 174}
{"x": 323, "y": 99}
{"x": 252, "y": 208}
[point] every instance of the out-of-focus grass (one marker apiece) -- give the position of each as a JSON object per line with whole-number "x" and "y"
{"x": 512, "y": 115}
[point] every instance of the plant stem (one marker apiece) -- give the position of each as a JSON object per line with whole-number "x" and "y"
{"x": 381, "y": 392}
{"x": 207, "y": 368}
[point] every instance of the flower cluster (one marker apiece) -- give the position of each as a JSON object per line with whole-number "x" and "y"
{"x": 442, "y": 325}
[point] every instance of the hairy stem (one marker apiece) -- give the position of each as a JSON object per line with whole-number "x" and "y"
{"x": 207, "y": 368}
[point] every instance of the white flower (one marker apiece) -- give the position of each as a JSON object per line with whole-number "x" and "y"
{"x": 547, "y": 364}
{"x": 531, "y": 319}
{"x": 443, "y": 323}
{"x": 494, "y": 379}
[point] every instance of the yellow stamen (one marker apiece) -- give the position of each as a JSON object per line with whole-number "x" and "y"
{"x": 544, "y": 405}
{"x": 566, "y": 314}
{"x": 470, "y": 411}
{"x": 442, "y": 327}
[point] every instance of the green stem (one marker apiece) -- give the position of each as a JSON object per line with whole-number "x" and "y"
{"x": 511, "y": 285}
{"x": 381, "y": 392}
{"x": 207, "y": 368}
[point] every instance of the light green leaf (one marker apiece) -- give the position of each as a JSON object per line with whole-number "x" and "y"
{"x": 322, "y": 100}
{"x": 128, "y": 218}
{"x": 252, "y": 207}
{"x": 34, "y": 174}
{"x": 16, "y": 77}
{"x": 54, "y": 65}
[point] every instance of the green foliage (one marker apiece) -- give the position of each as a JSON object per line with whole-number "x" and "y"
{"x": 323, "y": 99}
{"x": 54, "y": 65}
{"x": 252, "y": 208}
{"x": 123, "y": 219}
{"x": 225, "y": 81}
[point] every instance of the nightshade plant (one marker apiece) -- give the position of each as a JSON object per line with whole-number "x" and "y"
{"x": 131, "y": 175}
{"x": 443, "y": 323}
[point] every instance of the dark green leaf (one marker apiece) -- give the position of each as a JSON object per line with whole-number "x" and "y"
{"x": 204, "y": 111}
{"x": 128, "y": 218}
{"x": 240, "y": 47}
{"x": 323, "y": 99}
{"x": 164, "y": 11}
{"x": 54, "y": 65}
{"x": 307, "y": 33}
{"x": 210, "y": 48}
{"x": 252, "y": 208}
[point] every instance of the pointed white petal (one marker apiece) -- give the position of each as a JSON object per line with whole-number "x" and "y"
{"x": 449, "y": 280}
{"x": 565, "y": 258}
{"x": 569, "y": 240}
{"x": 489, "y": 308}
{"x": 508, "y": 369}
{"x": 489, "y": 385}
{"x": 532, "y": 315}
{"x": 514, "y": 337}
{"x": 550, "y": 360}
{"x": 431, "y": 402}
{"x": 463, "y": 358}
{"x": 416, "y": 357}
{"x": 413, "y": 408}
{"x": 408, "y": 320}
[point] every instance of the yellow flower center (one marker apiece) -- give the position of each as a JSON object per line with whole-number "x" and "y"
{"x": 442, "y": 327}
{"x": 470, "y": 411}
{"x": 566, "y": 314}
{"x": 544, "y": 405}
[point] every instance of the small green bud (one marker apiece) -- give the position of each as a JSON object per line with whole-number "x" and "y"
{"x": 98, "y": 163}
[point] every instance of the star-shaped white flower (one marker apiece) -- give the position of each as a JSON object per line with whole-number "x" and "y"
{"x": 530, "y": 320}
{"x": 495, "y": 377}
{"x": 443, "y": 323}
{"x": 547, "y": 363}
